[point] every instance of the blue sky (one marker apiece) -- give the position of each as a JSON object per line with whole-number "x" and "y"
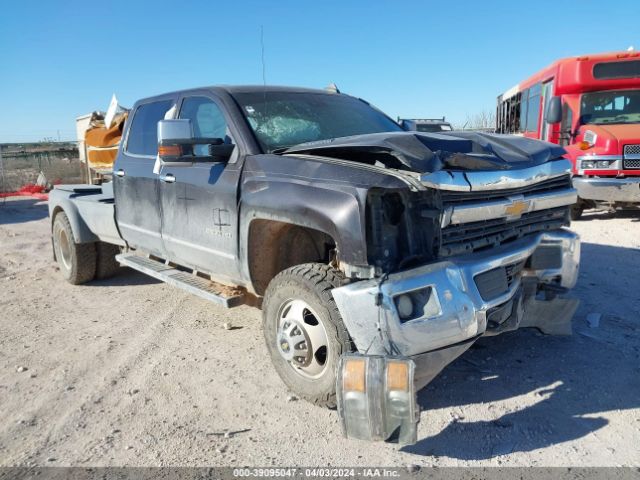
{"x": 62, "y": 59}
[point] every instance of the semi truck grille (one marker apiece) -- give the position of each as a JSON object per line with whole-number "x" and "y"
{"x": 632, "y": 149}
{"x": 631, "y": 163}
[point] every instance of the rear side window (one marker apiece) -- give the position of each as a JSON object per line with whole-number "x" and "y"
{"x": 143, "y": 133}
{"x": 530, "y": 109}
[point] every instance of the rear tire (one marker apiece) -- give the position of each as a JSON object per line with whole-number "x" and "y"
{"x": 304, "y": 331}
{"x": 106, "y": 265}
{"x": 77, "y": 261}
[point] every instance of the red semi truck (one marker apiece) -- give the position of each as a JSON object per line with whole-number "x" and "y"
{"x": 591, "y": 106}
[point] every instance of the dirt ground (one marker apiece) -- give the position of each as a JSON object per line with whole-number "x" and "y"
{"x": 129, "y": 371}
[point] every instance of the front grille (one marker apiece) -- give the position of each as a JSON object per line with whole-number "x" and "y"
{"x": 496, "y": 282}
{"x": 468, "y": 237}
{"x": 632, "y": 164}
{"x": 632, "y": 149}
{"x": 553, "y": 184}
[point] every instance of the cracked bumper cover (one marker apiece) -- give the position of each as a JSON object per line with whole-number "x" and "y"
{"x": 461, "y": 314}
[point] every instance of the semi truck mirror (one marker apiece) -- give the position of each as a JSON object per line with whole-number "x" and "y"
{"x": 554, "y": 110}
{"x": 377, "y": 399}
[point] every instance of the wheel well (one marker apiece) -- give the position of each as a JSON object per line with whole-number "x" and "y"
{"x": 275, "y": 246}
{"x": 55, "y": 212}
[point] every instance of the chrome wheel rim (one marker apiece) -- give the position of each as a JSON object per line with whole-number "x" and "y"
{"x": 64, "y": 248}
{"x": 302, "y": 339}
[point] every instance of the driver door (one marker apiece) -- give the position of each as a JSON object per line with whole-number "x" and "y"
{"x": 199, "y": 199}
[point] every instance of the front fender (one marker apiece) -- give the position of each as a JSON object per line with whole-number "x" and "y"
{"x": 336, "y": 213}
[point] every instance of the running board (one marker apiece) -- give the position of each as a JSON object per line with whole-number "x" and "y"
{"x": 212, "y": 291}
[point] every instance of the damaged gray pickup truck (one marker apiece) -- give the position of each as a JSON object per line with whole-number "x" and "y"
{"x": 377, "y": 255}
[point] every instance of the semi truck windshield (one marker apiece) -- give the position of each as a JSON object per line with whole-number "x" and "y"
{"x": 620, "y": 106}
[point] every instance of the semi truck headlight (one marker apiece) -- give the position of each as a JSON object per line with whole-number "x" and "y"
{"x": 603, "y": 163}
{"x": 376, "y": 398}
{"x": 588, "y": 164}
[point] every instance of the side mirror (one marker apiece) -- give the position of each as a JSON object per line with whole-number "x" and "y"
{"x": 554, "y": 110}
{"x": 176, "y": 144}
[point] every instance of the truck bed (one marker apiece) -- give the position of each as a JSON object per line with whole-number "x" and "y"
{"x": 91, "y": 211}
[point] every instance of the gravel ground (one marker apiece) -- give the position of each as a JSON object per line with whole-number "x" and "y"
{"x": 129, "y": 371}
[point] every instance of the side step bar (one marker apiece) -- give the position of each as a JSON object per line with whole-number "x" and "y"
{"x": 212, "y": 291}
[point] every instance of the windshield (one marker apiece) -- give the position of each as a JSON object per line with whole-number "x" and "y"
{"x": 285, "y": 119}
{"x": 621, "y": 106}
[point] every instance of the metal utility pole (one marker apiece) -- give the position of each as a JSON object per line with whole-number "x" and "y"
{"x": 2, "y": 186}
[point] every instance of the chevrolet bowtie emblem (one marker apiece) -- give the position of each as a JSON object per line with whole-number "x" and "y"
{"x": 517, "y": 208}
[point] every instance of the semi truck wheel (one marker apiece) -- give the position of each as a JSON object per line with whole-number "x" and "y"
{"x": 77, "y": 261}
{"x": 304, "y": 332}
{"x": 106, "y": 265}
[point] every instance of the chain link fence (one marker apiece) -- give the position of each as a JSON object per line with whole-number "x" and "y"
{"x": 22, "y": 166}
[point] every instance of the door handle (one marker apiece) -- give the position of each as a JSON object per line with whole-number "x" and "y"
{"x": 168, "y": 178}
{"x": 120, "y": 173}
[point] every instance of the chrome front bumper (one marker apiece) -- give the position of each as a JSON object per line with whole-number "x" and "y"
{"x": 608, "y": 189}
{"x": 457, "y": 309}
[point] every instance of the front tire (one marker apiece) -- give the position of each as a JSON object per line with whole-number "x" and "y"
{"x": 77, "y": 261}
{"x": 304, "y": 331}
{"x": 576, "y": 210}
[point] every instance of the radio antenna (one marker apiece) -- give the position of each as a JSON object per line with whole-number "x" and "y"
{"x": 264, "y": 68}
{"x": 264, "y": 71}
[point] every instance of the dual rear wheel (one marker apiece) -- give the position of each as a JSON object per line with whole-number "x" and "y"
{"x": 81, "y": 262}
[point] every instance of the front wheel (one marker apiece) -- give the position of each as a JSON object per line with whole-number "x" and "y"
{"x": 304, "y": 331}
{"x": 576, "y": 210}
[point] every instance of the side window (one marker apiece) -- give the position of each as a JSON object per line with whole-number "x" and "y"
{"x": 207, "y": 119}
{"x": 533, "y": 108}
{"x": 143, "y": 133}
{"x": 523, "y": 110}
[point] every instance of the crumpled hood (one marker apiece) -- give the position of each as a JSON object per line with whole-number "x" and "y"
{"x": 430, "y": 152}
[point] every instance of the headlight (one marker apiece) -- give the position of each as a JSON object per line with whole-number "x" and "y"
{"x": 594, "y": 164}
{"x": 588, "y": 164}
{"x": 377, "y": 398}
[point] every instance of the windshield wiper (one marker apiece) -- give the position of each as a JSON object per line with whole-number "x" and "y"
{"x": 281, "y": 150}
